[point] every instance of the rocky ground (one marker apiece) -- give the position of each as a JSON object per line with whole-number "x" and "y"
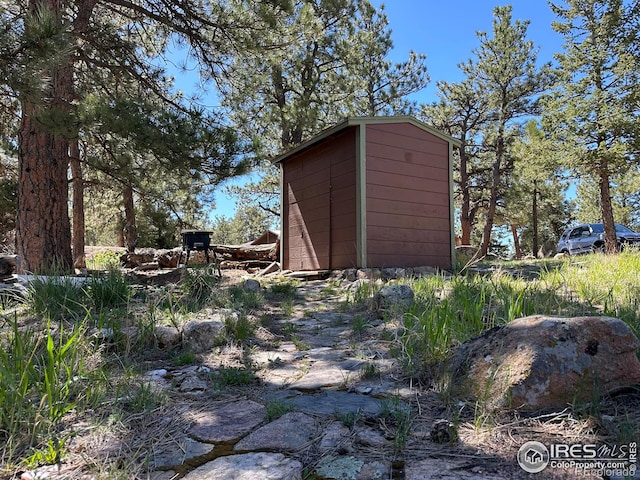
{"x": 328, "y": 401}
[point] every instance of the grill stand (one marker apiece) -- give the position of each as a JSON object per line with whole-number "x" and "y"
{"x": 198, "y": 240}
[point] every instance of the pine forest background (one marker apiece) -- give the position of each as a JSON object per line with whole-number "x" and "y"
{"x": 98, "y": 146}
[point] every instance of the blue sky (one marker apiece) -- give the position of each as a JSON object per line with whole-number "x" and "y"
{"x": 446, "y": 32}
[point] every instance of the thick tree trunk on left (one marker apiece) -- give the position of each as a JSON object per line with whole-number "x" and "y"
{"x": 43, "y": 231}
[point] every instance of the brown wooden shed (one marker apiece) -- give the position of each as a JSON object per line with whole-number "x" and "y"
{"x": 368, "y": 192}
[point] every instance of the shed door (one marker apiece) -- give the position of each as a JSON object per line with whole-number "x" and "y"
{"x": 308, "y": 213}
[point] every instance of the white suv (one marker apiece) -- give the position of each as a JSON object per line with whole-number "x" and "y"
{"x": 589, "y": 237}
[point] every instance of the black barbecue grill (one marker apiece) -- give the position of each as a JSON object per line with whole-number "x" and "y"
{"x": 198, "y": 240}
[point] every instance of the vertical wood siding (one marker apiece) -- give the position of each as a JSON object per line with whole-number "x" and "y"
{"x": 319, "y": 206}
{"x": 408, "y": 215}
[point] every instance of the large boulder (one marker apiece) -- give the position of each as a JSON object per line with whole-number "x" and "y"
{"x": 542, "y": 362}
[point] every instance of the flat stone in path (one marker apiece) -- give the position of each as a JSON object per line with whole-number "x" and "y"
{"x": 228, "y": 422}
{"x": 450, "y": 470}
{"x": 352, "y": 468}
{"x": 330, "y": 403}
{"x": 327, "y": 368}
{"x": 249, "y": 466}
{"x": 179, "y": 452}
{"x": 290, "y": 432}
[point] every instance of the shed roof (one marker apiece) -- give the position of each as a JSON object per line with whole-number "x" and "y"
{"x": 358, "y": 121}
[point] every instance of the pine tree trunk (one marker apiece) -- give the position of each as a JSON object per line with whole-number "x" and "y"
{"x": 493, "y": 192}
{"x": 491, "y": 211}
{"x": 130, "y": 230}
{"x": 43, "y": 232}
{"x": 516, "y": 240}
{"x": 610, "y": 238}
{"x": 78, "y": 206}
{"x": 465, "y": 192}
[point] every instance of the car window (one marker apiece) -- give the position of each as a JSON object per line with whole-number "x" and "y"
{"x": 597, "y": 228}
{"x": 623, "y": 229}
{"x": 576, "y": 232}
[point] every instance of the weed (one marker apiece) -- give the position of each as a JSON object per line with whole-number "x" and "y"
{"x": 358, "y": 324}
{"x": 200, "y": 283}
{"x": 283, "y": 289}
{"x": 287, "y": 307}
{"x": 240, "y": 327}
{"x": 145, "y": 398}
{"x": 397, "y": 416}
{"x": 184, "y": 358}
{"x": 227, "y": 376}
{"x": 349, "y": 419}
{"x": 238, "y": 298}
{"x": 289, "y": 328}
{"x": 362, "y": 293}
{"x": 110, "y": 290}
{"x": 368, "y": 371}
{"x": 276, "y": 408}
{"x": 300, "y": 344}
{"x": 57, "y": 297}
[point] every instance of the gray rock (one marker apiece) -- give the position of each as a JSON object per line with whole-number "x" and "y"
{"x": 540, "y": 362}
{"x": 327, "y": 369}
{"x": 9, "y": 264}
{"x": 132, "y": 260}
{"x": 393, "y": 273}
{"x": 352, "y": 468}
{"x": 351, "y": 274}
{"x": 200, "y": 335}
{"x": 228, "y": 422}
{"x": 420, "y": 271}
{"x": 335, "y": 436}
{"x": 251, "y": 285}
{"x": 369, "y": 273}
{"x": 168, "y": 258}
{"x": 167, "y": 336}
{"x": 249, "y": 466}
{"x": 163, "y": 475}
{"x": 370, "y": 437}
{"x": 289, "y": 432}
{"x": 332, "y": 402}
{"x": 397, "y": 297}
{"x": 449, "y": 469}
{"x": 193, "y": 386}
